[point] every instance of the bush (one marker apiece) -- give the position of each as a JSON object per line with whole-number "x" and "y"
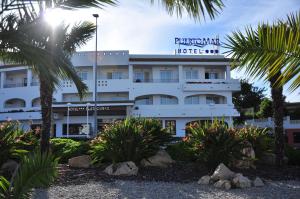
{"x": 259, "y": 139}
{"x": 215, "y": 143}
{"x": 130, "y": 140}
{"x": 293, "y": 155}
{"x": 65, "y": 149}
{"x": 182, "y": 151}
{"x": 14, "y": 142}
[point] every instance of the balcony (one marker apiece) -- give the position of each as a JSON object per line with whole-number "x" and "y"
{"x": 14, "y": 84}
{"x": 156, "y": 80}
{"x": 212, "y": 85}
{"x": 202, "y": 110}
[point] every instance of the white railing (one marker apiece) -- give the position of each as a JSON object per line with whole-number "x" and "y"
{"x": 269, "y": 123}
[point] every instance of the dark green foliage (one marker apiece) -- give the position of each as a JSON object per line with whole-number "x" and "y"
{"x": 215, "y": 143}
{"x": 293, "y": 155}
{"x": 259, "y": 139}
{"x": 129, "y": 140}
{"x": 265, "y": 109}
{"x": 37, "y": 170}
{"x": 182, "y": 151}
{"x": 14, "y": 142}
{"x": 64, "y": 148}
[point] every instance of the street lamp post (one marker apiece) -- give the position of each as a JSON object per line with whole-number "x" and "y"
{"x": 87, "y": 119}
{"x": 95, "y": 78}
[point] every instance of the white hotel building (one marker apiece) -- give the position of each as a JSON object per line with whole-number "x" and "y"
{"x": 176, "y": 89}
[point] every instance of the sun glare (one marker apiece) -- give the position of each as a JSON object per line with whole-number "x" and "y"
{"x": 54, "y": 17}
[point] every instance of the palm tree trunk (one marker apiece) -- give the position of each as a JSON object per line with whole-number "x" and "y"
{"x": 278, "y": 103}
{"x": 46, "y": 106}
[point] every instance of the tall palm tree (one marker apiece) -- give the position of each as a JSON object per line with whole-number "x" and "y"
{"x": 48, "y": 53}
{"x": 271, "y": 52}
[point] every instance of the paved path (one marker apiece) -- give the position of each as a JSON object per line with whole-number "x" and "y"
{"x": 148, "y": 190}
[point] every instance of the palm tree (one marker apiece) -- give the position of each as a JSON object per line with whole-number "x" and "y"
{"x": 36, "y": 170}
{"x": 48, "y": 53}
{"x": 24, "y": 41}
{"x": 271, "y": 52}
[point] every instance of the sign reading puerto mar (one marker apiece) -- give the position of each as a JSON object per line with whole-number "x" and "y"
{"x": 197, "y": 45}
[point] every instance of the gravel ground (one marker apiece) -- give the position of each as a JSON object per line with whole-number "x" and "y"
{"x": 166, "y": 190}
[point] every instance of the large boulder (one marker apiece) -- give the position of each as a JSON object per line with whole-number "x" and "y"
{"x": 204, "y": 180}
{"x": 223, "y": 184}
{"x": 241, "y": 181}
{"x": 160, "y": 159}
{"x": 222, "y": 173}
{"x": 10, "y": 166}
{"x": 122, "y": 168}
{"x": 83, "y": 161}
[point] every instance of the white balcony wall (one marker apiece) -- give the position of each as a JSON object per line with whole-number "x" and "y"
{"x": 113, "y": 96}
{"x": 112, "y": 72}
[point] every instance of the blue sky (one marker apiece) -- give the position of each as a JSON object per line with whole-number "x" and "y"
{"x": 142, "y": 28}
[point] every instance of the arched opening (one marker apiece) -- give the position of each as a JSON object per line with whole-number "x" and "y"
{"x": 36, "y": 102}
{"x": 144, "y": 100}
{"x": 158, "y": 99}
{"x": 205, "y": 99}
{"x": 15, "y": 103}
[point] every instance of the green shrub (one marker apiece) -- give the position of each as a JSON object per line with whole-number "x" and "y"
{"x": 293, "y": 155}
{"x": 215, "y": 143}
{"x": 182, "y": 151}
{"x": 14, "y": 142}
{"x": 64, "y": 148}
{"x": 259, "y": 139}
{"x": 130, "y": 140}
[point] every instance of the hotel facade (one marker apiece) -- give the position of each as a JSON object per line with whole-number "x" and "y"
{"x": 175, "y": 89}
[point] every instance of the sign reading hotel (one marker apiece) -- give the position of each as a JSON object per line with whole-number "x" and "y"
{"x": 197, "y": 46}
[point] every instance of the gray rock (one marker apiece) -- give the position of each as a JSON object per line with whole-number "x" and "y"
{"x": 204, "y": 180}
{"x": 247, "y": 160}
{"x": 9, "y": 165}
{"x": 258, "y": 182}
{"x": 241, "y": 181}
{"x": 223, "y": 184}
{"x": 222, "y": 173}
{"x": 122, "y": 168}
{"x": 83, "y": 161}
{"x": 160, "y": 159}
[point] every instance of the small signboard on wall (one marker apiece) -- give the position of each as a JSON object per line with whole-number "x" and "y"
{"x": 197, "y": 46}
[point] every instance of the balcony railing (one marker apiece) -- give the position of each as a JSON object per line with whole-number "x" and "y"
{"x": 13, "y": 85}
{"x": 156, "y": 80}
{"x": 35, "y": 83}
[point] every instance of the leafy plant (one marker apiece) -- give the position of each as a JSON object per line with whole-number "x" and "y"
{"x": 182, "y": 151}
{"x": 293, "y": 155}
{"x": 258, "y": 137}
{"x": 215, "y": 143}
{"x": 64, "y": 149}
{"x": 36, "y": 170}
{"x": 130, "y": 140}
{"x": 14, "y": 142}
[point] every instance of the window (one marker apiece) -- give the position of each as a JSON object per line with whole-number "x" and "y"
{"x": 144, "y": 101}
{"x": 139, "y": 76}
{"x": 191, "y": 74}
{"x": 212, "y": 100}
{"x": 114, "y": 75}
{"x": 166, "y": 75}
{"x": 83, "y": 75}
{"x": 192, "y": 100}
{"x": 170, "y": 125}
{"x": 168, "y": 100}
{"x": 211, "y": 75}
{"x": 296, "y": 137}
{"x": 117, "y": 75}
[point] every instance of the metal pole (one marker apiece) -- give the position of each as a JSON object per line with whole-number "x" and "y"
{"x": 87, "y": 119}
{"x": 95, "y": 76}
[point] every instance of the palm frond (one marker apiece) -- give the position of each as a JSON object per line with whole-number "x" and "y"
{"x": 36, "y": 170}
{"x": 269, "y": 49}
{"x": 4, "y": 187}
{"x": 196, "y": 9}
{"x": 76, "y": 4}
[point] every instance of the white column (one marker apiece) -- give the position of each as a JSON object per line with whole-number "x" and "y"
{"x": 130, "y": 73}
{"x": 29, "y": 77}
{"x": 180, "y": 74}
{"x": 3, "y": 77}
{"x": 228, "y": 73}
